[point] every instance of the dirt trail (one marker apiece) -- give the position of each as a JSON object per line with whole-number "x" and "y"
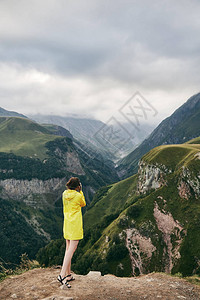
{"x": 42, "y": 284}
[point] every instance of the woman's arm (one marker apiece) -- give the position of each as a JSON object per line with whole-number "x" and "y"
{"x": 82, "y": 200}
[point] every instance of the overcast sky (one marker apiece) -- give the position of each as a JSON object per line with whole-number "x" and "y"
{"x": 89, "y": 57}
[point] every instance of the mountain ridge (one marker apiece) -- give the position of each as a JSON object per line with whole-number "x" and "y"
{"x": 181, "y": 126}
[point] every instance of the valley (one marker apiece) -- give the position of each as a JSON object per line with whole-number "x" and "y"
{"x": 141, "y": 217}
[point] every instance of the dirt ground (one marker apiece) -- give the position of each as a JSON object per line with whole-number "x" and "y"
{"x": 42, "y": 284}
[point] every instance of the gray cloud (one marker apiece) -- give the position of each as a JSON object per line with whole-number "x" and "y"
{"x": 78, "y": 55}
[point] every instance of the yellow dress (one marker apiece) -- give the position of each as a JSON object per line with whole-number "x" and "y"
{"x": 73, "y": 221}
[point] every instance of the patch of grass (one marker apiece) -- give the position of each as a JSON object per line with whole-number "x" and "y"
{"x": 24, "y": 265}
{"x": 193, "y": 279}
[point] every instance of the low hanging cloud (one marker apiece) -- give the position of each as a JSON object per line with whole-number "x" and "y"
{"x": 89, "y": 57}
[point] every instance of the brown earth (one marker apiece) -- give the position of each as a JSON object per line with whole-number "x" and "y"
{"x": 42, "y": 284}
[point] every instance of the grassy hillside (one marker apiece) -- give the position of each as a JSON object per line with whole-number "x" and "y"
{"x": 175, "y": 240}
{"x": 24, "y": 137}
{"x": 140, "y": 215}
{"x": 173, "y": 156}
{"x": 34, "y": 168}
{"x": 110, "y": 201}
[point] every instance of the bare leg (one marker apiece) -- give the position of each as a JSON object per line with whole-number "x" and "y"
{"x": 62, "y": 273}
{"x": 70, "y": 249}
{"x": 68, "y": 271}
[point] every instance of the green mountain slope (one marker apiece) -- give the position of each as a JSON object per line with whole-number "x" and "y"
{"x": 27, "y": 139}
{"x": 158, "y": 222}
{"x": 181, "y": 126}
{"x": 110, "y": 201}
{"x": 34, "y": 168}
{"x": 24, "y": 137}
{"x": 173, "y": 156}
{"x": 25, "y": 229}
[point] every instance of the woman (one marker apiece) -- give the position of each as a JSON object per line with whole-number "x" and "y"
{"x": 73, "y": 200}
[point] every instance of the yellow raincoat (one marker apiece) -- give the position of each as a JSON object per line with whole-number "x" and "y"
{"x": 73, "y": 221}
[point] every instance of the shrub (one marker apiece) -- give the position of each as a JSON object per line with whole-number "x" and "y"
{"x": 134, "y": 211}
{"x": 116, "y": 252}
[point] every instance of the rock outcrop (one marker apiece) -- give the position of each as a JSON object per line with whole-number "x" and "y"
{"x": 154, "y": 176}
{"x": 169, "y": 228}
{"x": 73, "y": 163}
{"x": 151, "y": 176}
{"x": 189, "y": 183}
{"x": 18, "y": 188}
{"x": 140, "y": 250}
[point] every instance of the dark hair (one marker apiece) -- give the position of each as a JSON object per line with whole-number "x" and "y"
{"x": 73, "y": 183}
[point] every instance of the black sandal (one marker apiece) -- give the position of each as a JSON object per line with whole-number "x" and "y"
{"x": 71, "y": 279}
{"x": 60, "y": 279}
